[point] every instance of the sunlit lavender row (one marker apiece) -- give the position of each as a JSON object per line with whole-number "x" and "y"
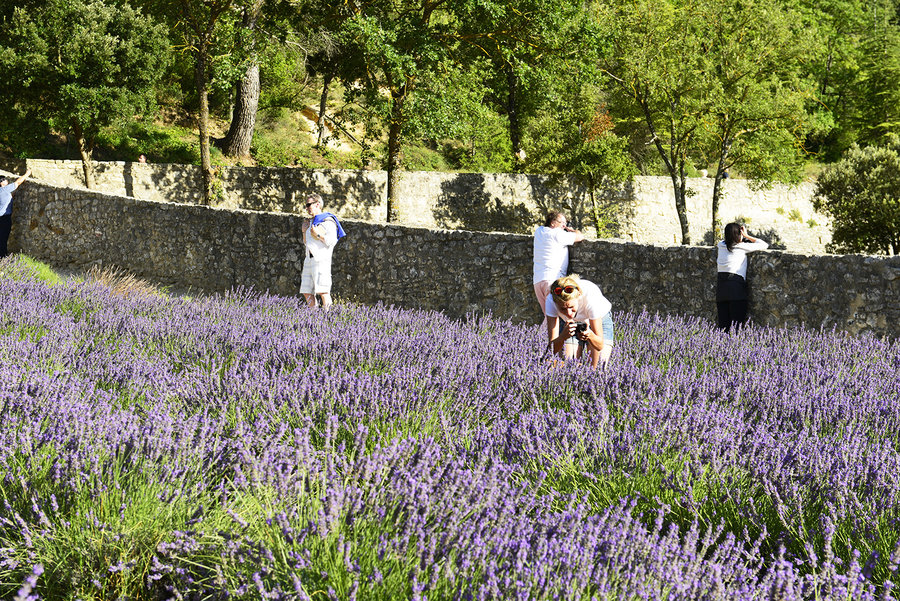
{"x": 244, "y": 446}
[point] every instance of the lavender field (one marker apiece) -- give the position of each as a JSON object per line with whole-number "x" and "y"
{"x": 245, "y": 447}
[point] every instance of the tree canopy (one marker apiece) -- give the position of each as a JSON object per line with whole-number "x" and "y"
{"x": 861, "y": 193}
{"x": 84, "y": 65}
{"x": 586, "y": 89}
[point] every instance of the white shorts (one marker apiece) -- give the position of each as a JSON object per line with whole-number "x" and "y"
{"x": 316, "y": 278}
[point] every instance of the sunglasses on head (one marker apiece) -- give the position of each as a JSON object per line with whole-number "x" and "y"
{"x": 567, "y": 289}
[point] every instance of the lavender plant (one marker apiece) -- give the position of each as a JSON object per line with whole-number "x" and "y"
{"x": 243, "y": 446}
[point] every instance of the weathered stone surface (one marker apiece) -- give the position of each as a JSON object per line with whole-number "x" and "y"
{"x": 457, "y": 272}
{"x": 641, "y": 211}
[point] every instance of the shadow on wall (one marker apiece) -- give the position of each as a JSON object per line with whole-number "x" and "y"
{"x": 471, "y": 201}
{"x": 182, "y": 185}
{"x": 465, "y": 202}
{"x": 603, "y": 212}
{"x": 353, "y": 197}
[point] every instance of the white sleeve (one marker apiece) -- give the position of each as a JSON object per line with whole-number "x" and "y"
{"x": 752, "y": 246}
{"x": 550, "y": 307}
{"x": 330, "y": 232}
{"x": 565, "y": 238}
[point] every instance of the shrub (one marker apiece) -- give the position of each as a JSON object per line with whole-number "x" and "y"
{"x": 861, "y": 194}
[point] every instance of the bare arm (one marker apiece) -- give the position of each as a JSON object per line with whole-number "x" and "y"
{"x": 578, "y": 235}
{"x": 19, "y": 181}
{"x": 558, "y": 335}
{"x": 593, "y": 335}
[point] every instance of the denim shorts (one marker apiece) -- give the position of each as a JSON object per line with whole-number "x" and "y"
{"x": 608, "y": 333}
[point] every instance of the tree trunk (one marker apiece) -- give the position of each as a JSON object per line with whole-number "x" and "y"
{"x": 679, "y": 185}
{"x": 243, "y": 119}
{"x": 323, "y": 105}
{"x": 716, "y": 224}
{"x": 395, "y": 132}
{"x": 717, "y": 191}
{"x": 512, "y": 113}
{"x": 85, "y": 150}
{"x": 599, "y": 228}
{"x": 203, "y": 125}
{"x": 674, "y": 161}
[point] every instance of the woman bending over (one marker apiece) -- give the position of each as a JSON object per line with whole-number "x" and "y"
{"x": 578, "y": 319}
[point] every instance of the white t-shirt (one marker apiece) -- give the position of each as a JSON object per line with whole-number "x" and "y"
{"x": 317, "y": 248}
{"x": 735, "y": 261}
{"x": 551, "y": 252}
{"x": 591, "y": 304}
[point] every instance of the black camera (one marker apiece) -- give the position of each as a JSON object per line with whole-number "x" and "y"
{"x": 580, "y": 327}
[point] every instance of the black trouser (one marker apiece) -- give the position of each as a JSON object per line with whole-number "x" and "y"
{"x": 731, "y": 312}
{"x": 5, "y": 229}
{"x": 732, "y": 301}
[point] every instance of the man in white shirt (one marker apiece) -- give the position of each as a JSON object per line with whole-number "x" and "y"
{"x": 320, "y": 234}
{"x": 551, "y": 253}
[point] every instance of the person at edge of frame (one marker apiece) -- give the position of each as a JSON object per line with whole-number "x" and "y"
{"x": 6, "y": 191}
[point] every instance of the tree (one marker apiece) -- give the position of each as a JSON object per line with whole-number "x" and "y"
{"x": 879, "y": 90}
{"x": 409, "y": 45}
{"x": 861, "y": 193}
{"x": 854, "y": 67}
{"x": 575, "y": 136}
{"x": 654, "y": 54}
{"x": 540, "y": 42}
{"x": 84, "y": 65}
{"x": 206, "y": 29}
{"x": 712, "y": 81}
{"x": 756, "y": 93}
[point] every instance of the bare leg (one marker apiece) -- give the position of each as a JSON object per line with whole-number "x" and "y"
{"x": 310, "y": 300}
{"x": 541, "y": 290}
{"x": 326, "y": 300}
{"x": 600, "y": 357}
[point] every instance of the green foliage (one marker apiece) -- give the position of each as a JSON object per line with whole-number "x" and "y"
{"x": 879, "y": 89}
{"x": 475, "y": 135}
{"x": 861, "y": 194}
{"x": 417, "y": 157}
{"x": 273, "y": 152}
{"x": 161, "y": 144}
{"x": 84, "y": 64}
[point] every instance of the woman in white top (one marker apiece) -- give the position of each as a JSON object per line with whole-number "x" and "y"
{"x": 731, "y": 286}
{"x": 551, "y": 252}
{"x": 578, "y": 318}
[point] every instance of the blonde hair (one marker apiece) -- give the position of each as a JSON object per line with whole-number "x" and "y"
{"x": 567, "y": 280}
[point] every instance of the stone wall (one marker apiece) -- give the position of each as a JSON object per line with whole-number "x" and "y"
{"x": 642, "y": 210}
{"x": 457, "y": 272}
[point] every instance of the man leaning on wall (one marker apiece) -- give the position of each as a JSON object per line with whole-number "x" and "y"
{"x": 6, "y": 190}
